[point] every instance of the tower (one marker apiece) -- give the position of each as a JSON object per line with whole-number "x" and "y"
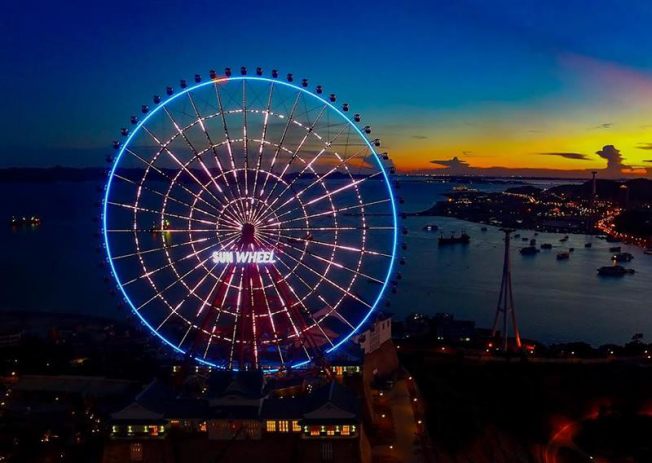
{"x": 505, "y": 305}
{"x": 594, "y": 190}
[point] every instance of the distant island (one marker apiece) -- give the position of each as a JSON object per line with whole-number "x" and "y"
{"x": 568, "y": 208}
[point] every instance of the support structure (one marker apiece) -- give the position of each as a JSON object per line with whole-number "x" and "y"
{"x": 594, "y": 189}
{"x": 505, "y": 307}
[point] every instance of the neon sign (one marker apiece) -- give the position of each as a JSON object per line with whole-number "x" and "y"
{"x": 243, "y": 257}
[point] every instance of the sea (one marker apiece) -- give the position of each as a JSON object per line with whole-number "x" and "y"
{"x": 56, "y": 268}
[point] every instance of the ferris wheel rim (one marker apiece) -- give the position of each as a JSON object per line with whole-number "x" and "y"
{"x": 297, "y": 88}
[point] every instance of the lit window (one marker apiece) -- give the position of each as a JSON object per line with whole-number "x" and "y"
{"x": 114, "y": 429}
{"x": 271, "y": 426}
{"x": 295, "y": 426}
{"x": 314, "y": 431}
{"x": 346, "y": 430}
{"x": 330, "y": 431}
{"x": 202, "y": 426}
{"x": 283, "y": 426}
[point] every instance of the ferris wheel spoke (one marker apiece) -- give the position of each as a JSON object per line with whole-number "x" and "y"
{"x": 235, "y": 321}
{"x": 292, "y": 270}
{"x": 245, "y": 137}
{"x": 279, "y": 146}
{"x": 318, "y": 181}
{"x": 269, "y": 314}
{"x": 328, "y": 195}
{"x": 185, "y": 298}
{"x": 286, "y": 309}
{"x": 229, "y": 146}
{"x": 196, "y": 153}
{"x": 219, "y": 283}
{"x": 262, "y": 138}
{"x": 312, "y": 161}
{"x": 184, "y": 166}
{"x": 163, "y": 174}
{"x": 148, "y": 273}
{"x": 164, "y": 195}
{"x": 148, "y": 251}
{"x": 338, "y": 246}
{"x": 311, "y": 290}
{"x": 333, "y": 310}
{"x": 200, "y": 121}
{"x": 332, "y": 283}
{"x": 343, "y": 228}
{"x": 325, "y": 213}
{"x": 305, "y": 309}
{"x": 152, "y": 211}
{"x": 159, "y": 294}
{"x": 340, "y": 266}
{"x": 296, "y": 151}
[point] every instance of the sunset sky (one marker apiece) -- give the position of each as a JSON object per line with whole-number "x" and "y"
{"x": 526, "y": 85}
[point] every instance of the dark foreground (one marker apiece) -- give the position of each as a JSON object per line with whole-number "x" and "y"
{"x": 532, "y": 412}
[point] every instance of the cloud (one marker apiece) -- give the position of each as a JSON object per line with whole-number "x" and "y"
{"x": 604, "y": 125}
{"x": 420, "y": 137}
{"x": 454, "y": 165}
{"x": 644, "y": 146}
{"x": 614, "y": 159}
{"x": 578, "y": 156}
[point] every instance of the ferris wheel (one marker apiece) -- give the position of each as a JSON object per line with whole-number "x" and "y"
{"x": 249, "y": 222}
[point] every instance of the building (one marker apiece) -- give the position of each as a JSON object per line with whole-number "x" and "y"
{"x": 379, "y": 332}
{"x": 238, "y": 417}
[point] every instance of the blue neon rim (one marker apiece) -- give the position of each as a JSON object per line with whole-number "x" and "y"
{"x": 107, "y": 190}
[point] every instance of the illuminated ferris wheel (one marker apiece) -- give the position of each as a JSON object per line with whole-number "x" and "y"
{"x": 249, "y": 222}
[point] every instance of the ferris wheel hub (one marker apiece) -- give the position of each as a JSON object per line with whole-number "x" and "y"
{"x": 248, "y": 233}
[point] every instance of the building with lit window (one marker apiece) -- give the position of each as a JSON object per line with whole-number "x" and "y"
{"x": 238, "y": 416}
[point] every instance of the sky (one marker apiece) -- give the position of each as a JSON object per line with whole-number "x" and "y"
{"x": 505, "y": 87}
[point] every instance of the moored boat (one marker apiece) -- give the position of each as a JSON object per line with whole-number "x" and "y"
{"x": 529, "y": 251}
{"x": 462, "y": 239}
{"x": 614, "y": 271}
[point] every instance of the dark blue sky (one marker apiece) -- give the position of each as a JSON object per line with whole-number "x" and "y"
{"x": 73, "y": 72}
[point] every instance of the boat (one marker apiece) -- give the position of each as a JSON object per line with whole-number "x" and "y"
{"x": 614, "y": 271}
{"x": 648, "y": 251}
{"x": 431, "y": 227}
{"x": 483, "y": 229}
{"x": 571, "y": 249}
{"x": 529, "y": 251}
{"x": 588, "y": 245}
{"x": 533, "y": 242}
{"x": 462, "y": 239}
{"x": 564, "y": 239}
{"x": 546, "y": 246}
{"x": 615, "y": 249}
{"x": 524, "y": 239}
{"x": 23, "y": 221}
{"x": 622, "y": 257}
{"x": 611, "y": 239}
{"x": 564, "y": 255}
{"x": 517, "y": 235}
